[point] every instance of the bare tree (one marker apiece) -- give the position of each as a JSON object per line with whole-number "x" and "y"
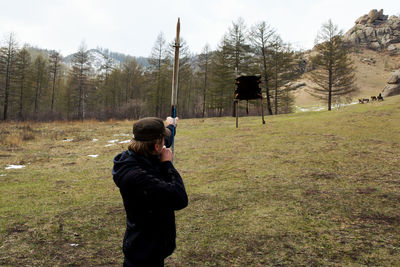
{"x": 260, "y": 36}
{"x": 157, "y": 58}
{"x": 107, "y": 66}
{"x": 284, "y": 69}
{"x": 237, "y": 47}
{"x": 80, "y": 77}
{"x": 204, "y": 64}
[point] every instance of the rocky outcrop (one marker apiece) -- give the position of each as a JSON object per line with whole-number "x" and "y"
{"x": 393, "y": 85}
{"x": 295, "y": 85}
{"x": 375, "y": 31}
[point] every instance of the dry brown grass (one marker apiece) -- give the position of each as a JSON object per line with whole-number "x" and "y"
{"x": 371, "y": 78}
{"x": 306, "y": 189}
{"x": 12, "y": 141}
{"x": 14, "y": 135}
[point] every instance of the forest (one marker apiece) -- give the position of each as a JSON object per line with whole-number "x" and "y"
{"x": 39, "y": 85}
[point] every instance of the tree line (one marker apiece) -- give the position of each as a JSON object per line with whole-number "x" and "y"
{"x": 39, "y": 86}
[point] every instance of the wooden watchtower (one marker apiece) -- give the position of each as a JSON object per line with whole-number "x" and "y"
{"x": 247, "y": 88}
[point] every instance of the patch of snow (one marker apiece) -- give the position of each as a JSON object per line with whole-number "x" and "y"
{"x": 95, "y": 140}
{"x": 122, "y": 135}
{"x": 124, "y": 142}
{"x": 93, "y": 156}
{"x": 68, "y": 140}
{"x": 323, "y": 108}
{"x": 97, "y": 61}
{"x": 310, "y": 109}
{"x": 15, "y": 167}
{"x": 108, "y": 145}
{"x": 1, "y": 175}
{"x": 113, "y": 141}
{"x": 74, "y": 245}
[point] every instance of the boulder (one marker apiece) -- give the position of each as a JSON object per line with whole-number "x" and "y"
{"x": 393, "y": 85}
{"x": 374, "y": 15}
{"x": 375, "y": 46}
{"x": 374, "y": 30}
{"x": 362, "y": 20}
{"x": 391, "y": 90}
{"x": 395, "y": 78}
{"x": 295, "y": 85}
{"x": 392, "y": 49}
{"x": 369, "y": 61}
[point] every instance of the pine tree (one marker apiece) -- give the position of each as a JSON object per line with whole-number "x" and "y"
{"x": 23, "y": 65}
{"x": 132, "y": 82}
{"x": 222, "y": 81}
{"x": 204, "y": 65}
{"x": 334, "y": 71}
{"x": 107, "y": 66}
{"x": 39, "y": 76}
{"x": 284, "y": 69}
{"x": 79, "y": 76}
{"x": 8, "y": 56}
{"x": 55, "y": 61}
{"x": 117, "y": 92}
{"x": 103, "y": 88}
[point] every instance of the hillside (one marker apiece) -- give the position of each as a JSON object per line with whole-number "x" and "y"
{"x": 305, "y": 189}
{"x": 373, "y": 69}
{"x": 375, "y": 42}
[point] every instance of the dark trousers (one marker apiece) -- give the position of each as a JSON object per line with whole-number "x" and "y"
{"x": 150, "y": 263}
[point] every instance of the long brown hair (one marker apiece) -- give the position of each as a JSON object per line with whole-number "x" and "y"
{"x": 144, "y": 148}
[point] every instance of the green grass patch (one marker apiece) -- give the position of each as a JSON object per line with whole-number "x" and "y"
{"x": 313, "y": 188}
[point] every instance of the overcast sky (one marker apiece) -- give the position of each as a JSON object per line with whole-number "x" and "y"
{"x": 131, "y": 26}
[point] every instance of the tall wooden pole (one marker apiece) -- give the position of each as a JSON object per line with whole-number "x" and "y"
{"x": 175, "y": 73}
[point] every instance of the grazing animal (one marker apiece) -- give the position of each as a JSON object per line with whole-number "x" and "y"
{"x": 360, "y": 101}
{"x": 380, "y": 97}
{"x": 373, "y": 98}
{"x": 365, "y": 100}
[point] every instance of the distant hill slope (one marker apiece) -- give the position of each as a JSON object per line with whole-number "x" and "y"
{"x": 373, "y": 69}
{"x": 98, "y": 59}
{"x": 375, "y": 38}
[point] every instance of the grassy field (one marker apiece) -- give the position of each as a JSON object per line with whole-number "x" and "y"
{"x": 307, "y": 189}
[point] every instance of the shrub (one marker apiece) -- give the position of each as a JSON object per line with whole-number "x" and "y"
{"x": 26, "y": 136}
{"x": 12, "y": 141}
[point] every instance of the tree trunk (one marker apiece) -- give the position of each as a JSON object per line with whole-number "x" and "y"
{"x": 158, "y": 87}
{"x": 37, "y": 96}
{"x": 266, "y": 82}
{"x": 8, "y": 78}
{"x": 330, "y": 88}
{"x": 54, "y": 82}
{"x": 276, "y": 89}
{"x": 205, "y": 89}
{"x": 21, "y": 96}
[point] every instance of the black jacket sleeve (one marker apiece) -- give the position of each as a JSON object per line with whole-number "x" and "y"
{"x": 167, "y": 191}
